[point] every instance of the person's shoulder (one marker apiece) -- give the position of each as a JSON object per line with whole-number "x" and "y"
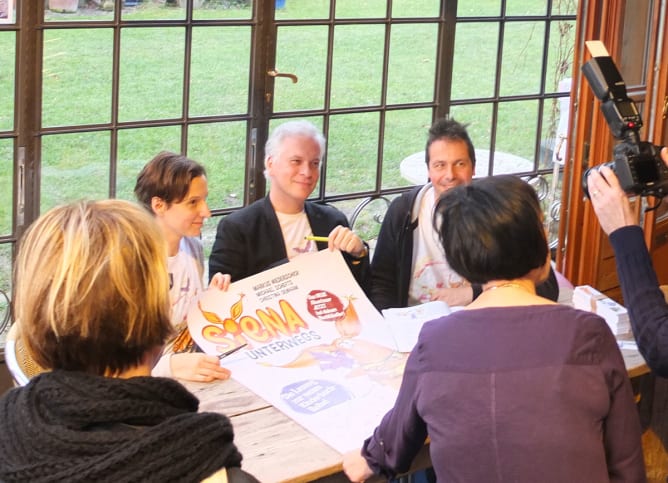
{"x": 589, "y": 334}
{"x": 444, "y": 324}
{"x": 193, "y": 248}
{"x": 192, "y": 245}
{"x": 583, "y": 317}
{"x": 323, "y": 209}
{"x": 253, "y": 210}
{"x": 406, "y": 199}
{"x": 410, "y": 195}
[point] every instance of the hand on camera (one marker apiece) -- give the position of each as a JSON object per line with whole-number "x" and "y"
{"x": 610, "y": 202}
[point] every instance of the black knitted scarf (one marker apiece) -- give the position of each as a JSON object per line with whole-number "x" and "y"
{"x": 68, "y": 426}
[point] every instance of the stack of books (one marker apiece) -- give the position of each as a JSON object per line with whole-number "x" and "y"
{"x": 590, "y": 299}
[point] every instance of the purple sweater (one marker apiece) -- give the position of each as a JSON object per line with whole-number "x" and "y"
{"x": 509, "y": 394}
{"x": 643, "y": 299}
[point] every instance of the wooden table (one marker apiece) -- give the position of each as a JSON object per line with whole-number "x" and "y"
{"x": 277, "y": 449}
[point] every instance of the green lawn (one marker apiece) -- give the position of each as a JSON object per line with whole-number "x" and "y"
{"x": 77, "y": 87}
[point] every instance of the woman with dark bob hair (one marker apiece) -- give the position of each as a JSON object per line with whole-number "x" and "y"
{"x": 514, "y": 387}
{"x": 92, "y": 308}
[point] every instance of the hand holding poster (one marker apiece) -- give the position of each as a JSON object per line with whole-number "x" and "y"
{"x": 318, "y": 350}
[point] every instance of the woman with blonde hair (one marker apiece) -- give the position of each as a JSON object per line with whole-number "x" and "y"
{"x": 92, "y": 308}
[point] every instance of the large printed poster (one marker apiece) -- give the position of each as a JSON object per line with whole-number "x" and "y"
{"x": 317, "y": 349}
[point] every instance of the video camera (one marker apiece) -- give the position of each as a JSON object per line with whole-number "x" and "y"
{"x": 636, "y": 163}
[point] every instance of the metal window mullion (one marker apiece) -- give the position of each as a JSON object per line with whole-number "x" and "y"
{"x": 28, "y": 97}
{"x": 185, "y": 95}
{"x": 262, "y": 58}
{"x": 115, "y": 83}
{"x": 444, "y": 58}
{"x": 383, "y": 97}
{"x": 331, "y": 23}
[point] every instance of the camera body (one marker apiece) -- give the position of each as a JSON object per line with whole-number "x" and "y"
{"x": 639, "y": 169}
{"x": 637, "y": 164}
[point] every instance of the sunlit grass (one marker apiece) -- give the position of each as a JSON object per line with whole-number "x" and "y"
{"x": 77, "y": 89}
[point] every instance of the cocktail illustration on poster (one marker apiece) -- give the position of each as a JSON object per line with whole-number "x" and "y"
{"x": 315, "y": 346}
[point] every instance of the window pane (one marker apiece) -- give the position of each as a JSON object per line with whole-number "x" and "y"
{"x": 7, "y": 73}
{"x": 522, "y": 53}
{"x": 415, "y": 8}
{"x": 476, "y": 8}
{"x": 515, "y": 137}
{"x": 565, "y": 7}
{"x": 368, "y": 219}
{"x": 5, "y": 272}
{"x": 549, "y": 141}
{"x": 560, "y": 55}
{"x": 155, "y": 10}
{"x": 151, "y": 73}
{"x": 301, "y": 9}
{"x": 6, "y": 185}
{"x": 219, "y": 76}
{"x": 357, "y": 9}
{"x": 555, "y": 128}
{"x": 221, "y": 148}
{"x": 403, "y": 148}
{"x": 74, "y": 166}
{"x": 70, "y": 11}
{"x": 301, "y": 51}
{"x": 77, "y": 77}
{"x": 136, "y": 147}
{"x": 357, "y": 65}
{"x": 223, "y": 9}
{"x": 412, "y": 63}
{"x": 526, "y": 7}
{"x": 474, "y": 64}
{"x": 352, "y": 153}
{"x": 6, "y": 287}
{"x": 208, "y": 237}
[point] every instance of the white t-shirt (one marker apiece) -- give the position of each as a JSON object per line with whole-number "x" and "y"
{"x": 430, "y": 268}
{"x": 294, "y": 228}
{"x": 185, "y": 283}
{"x": 185, "y": 286}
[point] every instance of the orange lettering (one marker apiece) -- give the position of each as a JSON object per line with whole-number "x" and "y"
{"x": 294, "y": 321}
{"x": 254, "y": 329}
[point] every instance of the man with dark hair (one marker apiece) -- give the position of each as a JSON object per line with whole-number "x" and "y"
{"x": 409, "y": 265}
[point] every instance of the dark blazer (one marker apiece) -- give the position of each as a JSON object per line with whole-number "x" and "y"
{"x": 250, "y": 240}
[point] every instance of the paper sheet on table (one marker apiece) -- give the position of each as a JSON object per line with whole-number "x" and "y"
{"x": 318, "y": 350}
{"x": 405, "y": 323}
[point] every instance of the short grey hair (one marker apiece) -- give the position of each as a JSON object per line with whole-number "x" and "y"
{"x": 290, "y": 129}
